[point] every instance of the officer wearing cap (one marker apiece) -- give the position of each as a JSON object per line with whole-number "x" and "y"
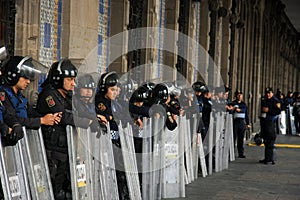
{"x": 240, "y": 122}
{"x": 269, "y": 114}
{"x": 18, "y": 73}
{"x": 56, "y": 97}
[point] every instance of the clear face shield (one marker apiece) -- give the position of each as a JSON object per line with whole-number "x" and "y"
{"x": 31, "y": 69}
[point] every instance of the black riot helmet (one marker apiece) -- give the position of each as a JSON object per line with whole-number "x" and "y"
{"x": 60, "y": 70}
{"x": 84, "y": 81}
{"x": 19, "y": 66}
{"x": 107, "y": 80}
{"x": 257, "y": 139}
{"x": 197, "y": 86}
{"x": 141, "y": 94}
{"x": 160, "y": 94}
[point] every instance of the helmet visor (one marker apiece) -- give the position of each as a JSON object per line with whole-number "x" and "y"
{"x": 30, "y": 68}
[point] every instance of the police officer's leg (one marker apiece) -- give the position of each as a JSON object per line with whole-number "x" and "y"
{"x": 235, "y": 132}
{"x": 240, "y": 139}
{"x": 59, "y": 168}
{"x": 120, "y": 171}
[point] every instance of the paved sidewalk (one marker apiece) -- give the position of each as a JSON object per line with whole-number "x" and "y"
{"x": 248, "y": 179}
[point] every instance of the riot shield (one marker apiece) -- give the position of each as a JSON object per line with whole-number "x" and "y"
{"x": 126, "y": 136}
{"x": 12, "y": 172}
{"x": 80, "y": 162}
{"x": 104, "y": 167}
{"x": 36, "y": 164}
{"x": 173, "y": 162}
{"x": 292, "y": 121}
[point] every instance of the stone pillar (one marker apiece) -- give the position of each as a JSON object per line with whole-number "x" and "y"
{"x": 27, "y": 28}
{"x": 204, "y": 39}
{"x": 120, "y": 20}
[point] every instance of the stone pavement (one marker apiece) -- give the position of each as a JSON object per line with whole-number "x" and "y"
{"x": 247, "y": 179}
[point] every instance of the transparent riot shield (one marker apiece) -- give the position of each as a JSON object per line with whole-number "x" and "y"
{"x": 12, "y": 172}
{"x": 173, "y": 162}
{"x": 36, "y": 164}
{"x": 128, "y": 152}
{"x": 194, "y": 137}
{"x": 187, "y": 149}
{"x": 147, "y": 168}
{"x": 292, "y": 121}
{"x": 282, "y": 123}
{"x": 80, "y": 162}
{"x": 219, "y": 137}
{"x": 104, "y": 172}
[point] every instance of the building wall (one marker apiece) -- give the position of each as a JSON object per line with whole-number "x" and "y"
{"x": 252, "y": 43}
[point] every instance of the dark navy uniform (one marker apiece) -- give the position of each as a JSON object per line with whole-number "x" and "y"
{"x": 53, "y": 99}
{"x": 268, "y": 120}
{"x": 240, "y": 120}
{"x": 109, "y": 108}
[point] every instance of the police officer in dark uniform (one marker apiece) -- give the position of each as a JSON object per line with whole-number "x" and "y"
{"x": 56, "y": 97}
{"x": 240, "y": 122}
{"x": 206, "y": 110}
{"x": 269, "y": 114}
{"x": 104, "y": 106}
{"x": 160, "y": 99}
{"x": 18, "y": 73}
{"x": 83, "y": 107}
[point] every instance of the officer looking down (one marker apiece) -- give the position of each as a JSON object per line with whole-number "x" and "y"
{"x": 18, "y": 73}
{"x": 56, "y": 97}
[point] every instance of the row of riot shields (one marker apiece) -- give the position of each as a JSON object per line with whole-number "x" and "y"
{"x": 169, "y": 160}
{"x": 24, "y": 169}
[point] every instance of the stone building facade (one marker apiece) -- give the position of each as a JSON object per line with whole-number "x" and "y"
{"x": 248, "y": 44}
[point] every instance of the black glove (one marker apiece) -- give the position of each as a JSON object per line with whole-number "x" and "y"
{"x": 3, "y": 129}
{"x": 94, "y": 126}
{"x": 17, "y": 133}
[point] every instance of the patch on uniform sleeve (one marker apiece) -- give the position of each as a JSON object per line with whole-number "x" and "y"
{"x": 101, "y": 106}
{"x": 2, "y": 96}
{"x": 50, "y": 101}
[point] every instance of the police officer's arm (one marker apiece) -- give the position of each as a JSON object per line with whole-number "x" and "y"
{"x": 275, "y": 108}
{"x": 11, "y": 118}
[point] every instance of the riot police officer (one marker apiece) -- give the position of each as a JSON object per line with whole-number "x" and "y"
{"x": 83, "y": 107}
{"x": 56, "y": 97}
{"x": 105, "y": 107}
{"x": 17, "y": 73}
{"x": 160, "y": 99}
{"x": 269, "y": 115}
{"x": 240, "y": 122}
{"x": 206, "y": 110}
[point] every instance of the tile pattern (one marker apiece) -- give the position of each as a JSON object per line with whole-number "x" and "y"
{"x": 50, "y": 31}
{"x": 103, "y": 35}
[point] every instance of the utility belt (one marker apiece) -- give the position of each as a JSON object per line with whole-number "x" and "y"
{"x": 55, "y": 138}
{"x": 239, "y": 115}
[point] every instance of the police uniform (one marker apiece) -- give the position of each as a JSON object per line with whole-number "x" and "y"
{"x": 268, "y": 120}
{"x": 240, "y": 120}
{"x": 107, "y": 108}
{"x": 53, "y": 99}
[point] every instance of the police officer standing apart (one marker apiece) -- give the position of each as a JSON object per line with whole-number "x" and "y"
{"x": 269, "y": 115}
{"x": 240, "y": 122}
{"x": 56, "y": 96}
